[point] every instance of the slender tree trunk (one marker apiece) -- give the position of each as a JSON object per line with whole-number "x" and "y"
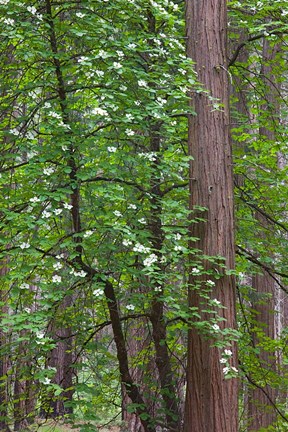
{"x": 159, "y": 333}
{"x": 133, "y": 391}
{"x": 211, "y": 400}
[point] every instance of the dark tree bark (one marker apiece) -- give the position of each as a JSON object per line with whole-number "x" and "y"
{"x": 132, "y": 390}
{"x": 211, "y": 400}
{"x": 159, "y": 333}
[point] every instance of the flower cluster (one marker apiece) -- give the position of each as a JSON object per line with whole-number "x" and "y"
{"x": 81, "y": 273}
{"x": 46, "y": 214}
{"x": 33, "y": 11}
{"x": 141, "y": 248}
{"x": 142, "y": 83}
{"x": 9, "y": 21}
{"x": 117, "y": 213}
{"x": 112, "y": 149}
{"x": 195, "y": 271}
{"x": 56, "y": 279}
{"x": 150, "y": 260}
{"x": 215, "y": 302}
{"x": 117, "y": 65}
{"x": 24, "y": 245}
{"x": 88, "y": 233}
{"x": 57, "y": 211}
{"x": 149, "y": 156}
{"x": 34, "y": 199}
{"x": 127, "y": 242}
{"x": 48, "y": 171}
{"x": 100, "y": 111}
{"x": 129, "y": 132}
{"x": 67, "y": 206}
{"x": 225, "y": 359}
{"x": 98, "y": 292}
{"x": 58, "y": 265}
{"x": 80, "y": 15}
{"x": 230, "y": 369}
{"x": 54, "y": 114}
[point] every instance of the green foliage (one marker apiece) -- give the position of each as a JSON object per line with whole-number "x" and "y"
{"x": 94, "y": 188}
{"x": 94, "y": 163}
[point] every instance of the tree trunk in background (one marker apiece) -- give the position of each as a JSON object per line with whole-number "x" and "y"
{"x": 61, "y": 358}
{"x": 4, "y": 367}
{"x": 136, "y": 337}
{"x": 24, "y": 387}
{"x": 211, "y": 401}
{"x": 240, "y": 116}
{"x": 261, "y": 412}
{"x": 281, "y": 316}
{"x": 261, "y": 400}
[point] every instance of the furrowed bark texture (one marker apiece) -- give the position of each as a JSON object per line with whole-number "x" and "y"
{"x": 211, "y": 400}
{"x": 261, "y": 410}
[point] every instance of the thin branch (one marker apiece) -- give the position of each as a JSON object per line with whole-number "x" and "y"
{"x": 261, "y": 211}
{"x": 248, "y": 255}
{"x": 251, "y": 39}
{"x": 116, "y": 180}
{"x": 98, "y": 328}
{"x": 266, "y": 394}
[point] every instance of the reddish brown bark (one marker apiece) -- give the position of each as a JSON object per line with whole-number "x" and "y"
{"x": 211, "y": 401}
{"x": 261, "y": 410}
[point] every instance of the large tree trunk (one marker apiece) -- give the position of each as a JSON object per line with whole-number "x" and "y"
{"x": 211, "y": 401}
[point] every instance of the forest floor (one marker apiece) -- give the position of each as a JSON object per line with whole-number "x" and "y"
{"x": 56, "y": 427}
